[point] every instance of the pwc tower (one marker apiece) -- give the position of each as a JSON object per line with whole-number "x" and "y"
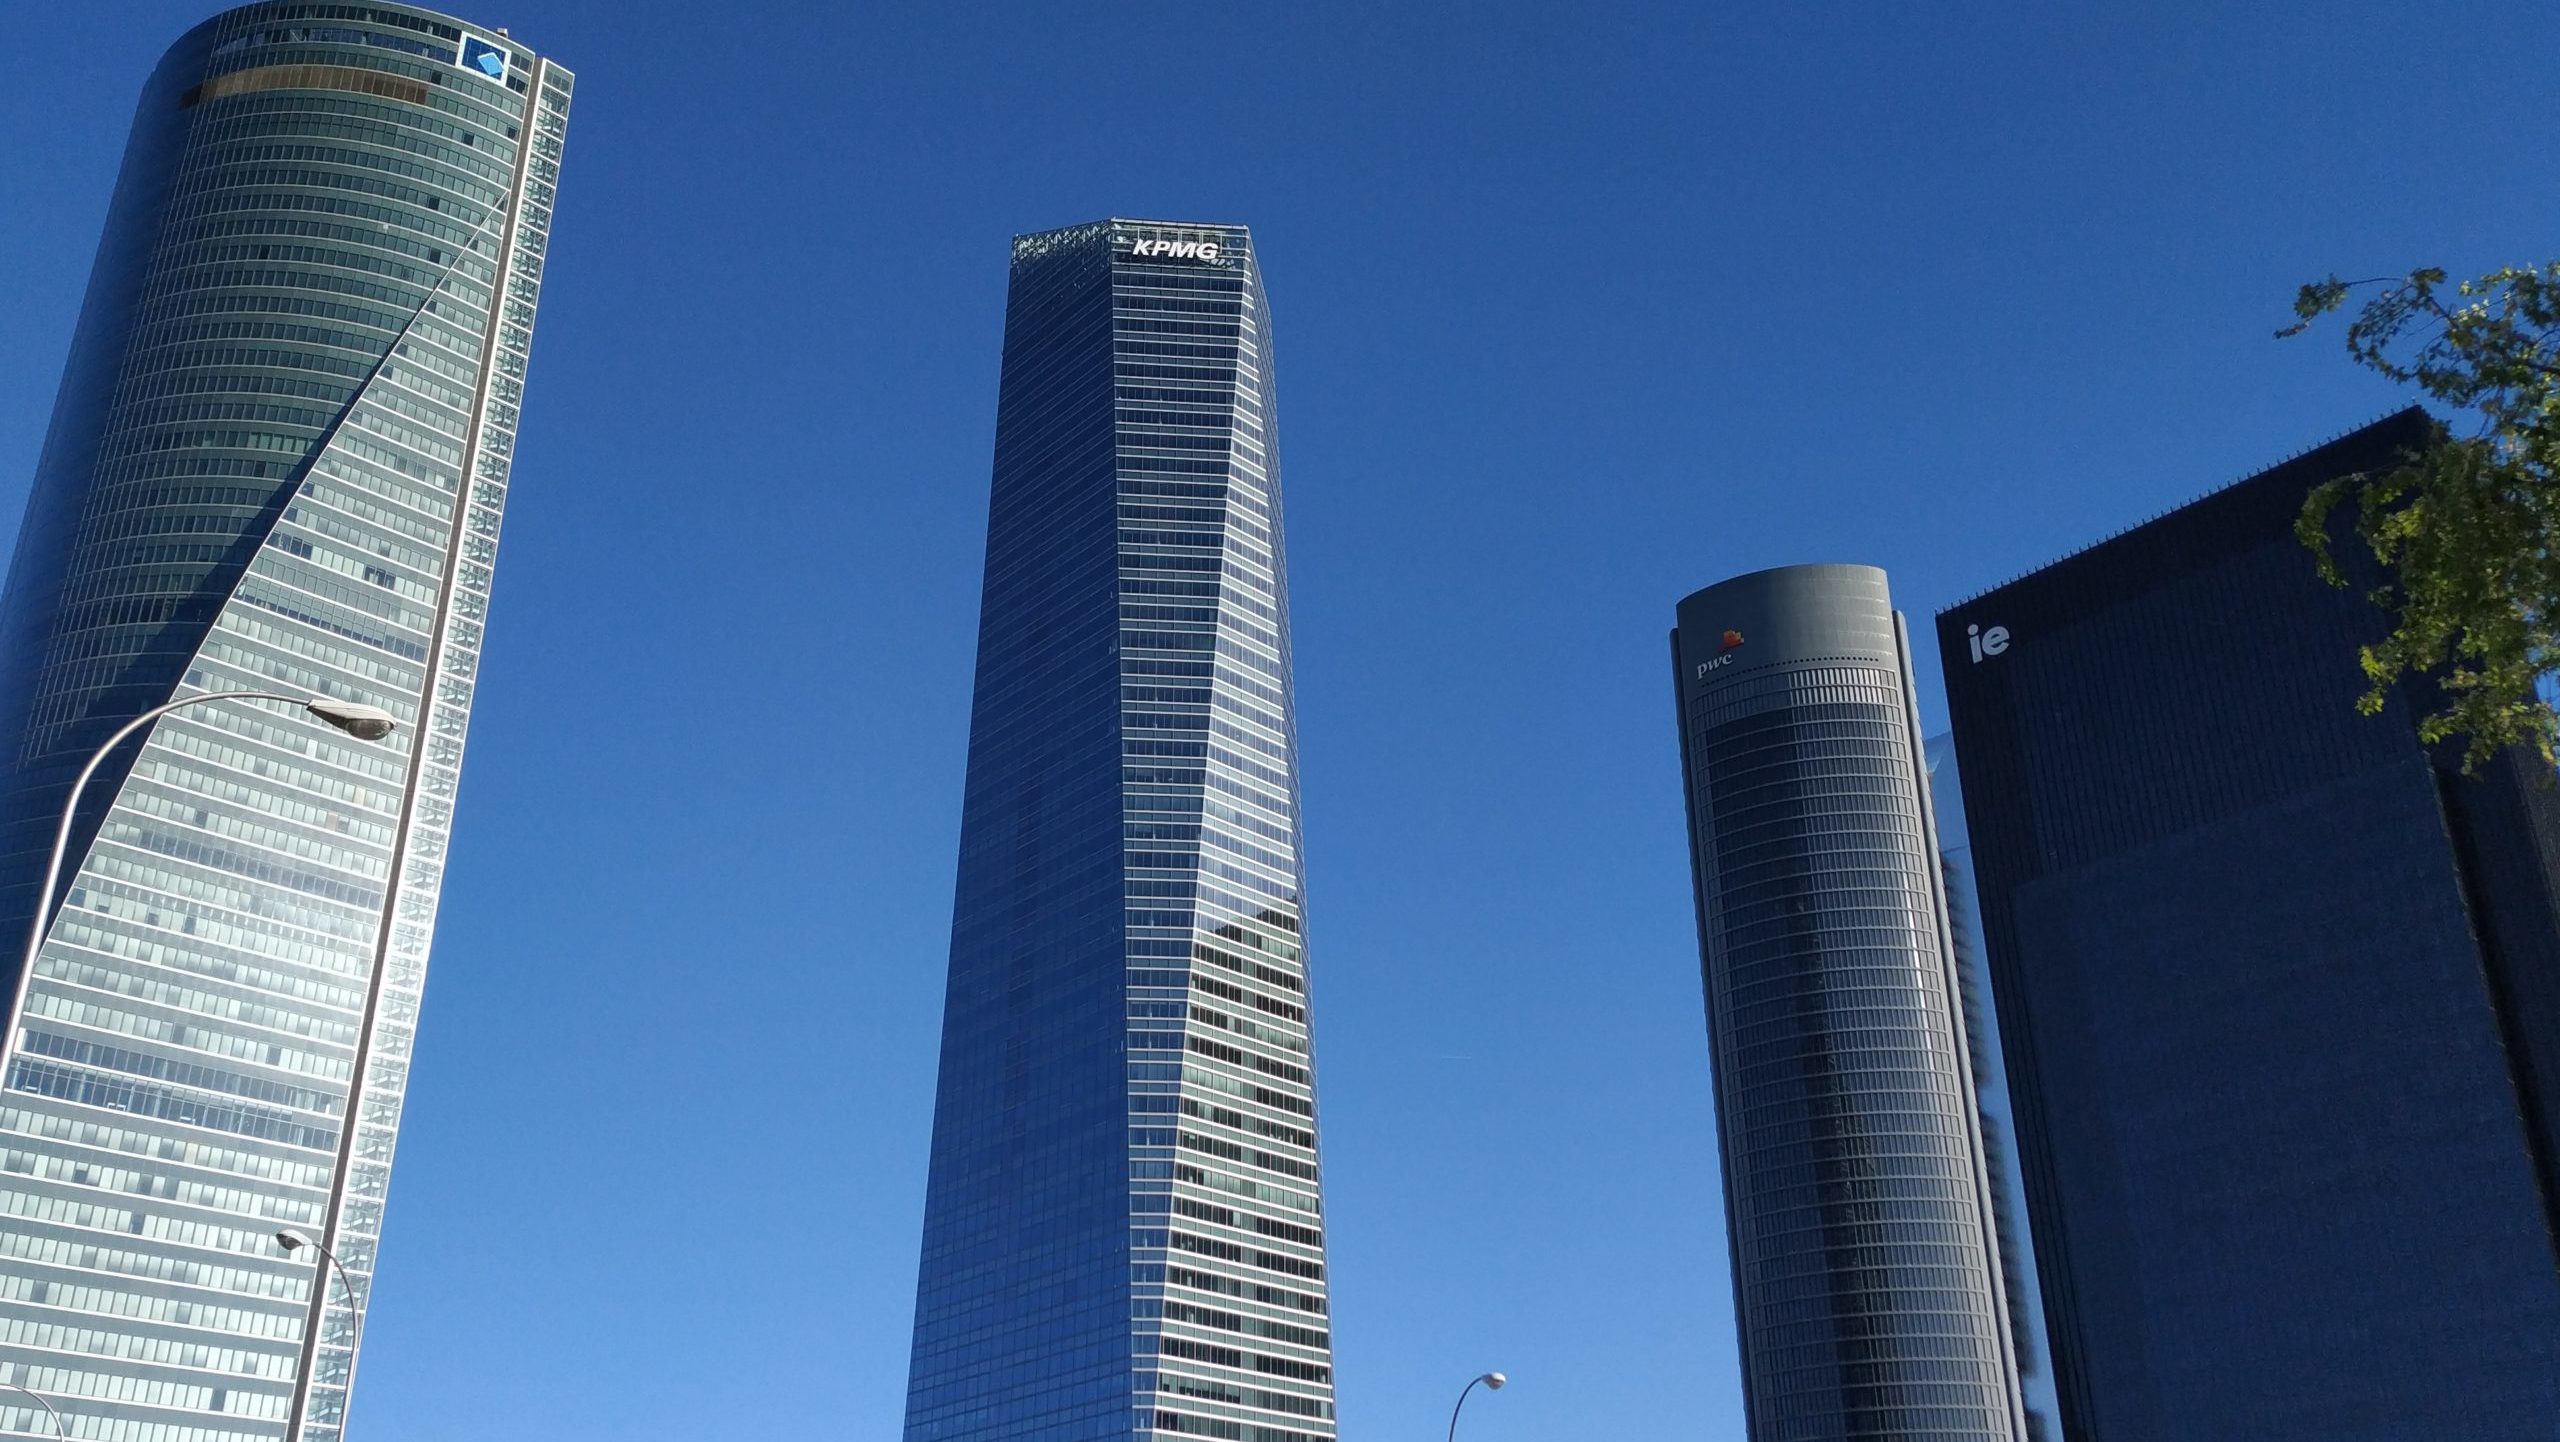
{"x": 1866, "y": 1269}
{"x": 276, "y": 466}
{"x": 1123, "y": 1235}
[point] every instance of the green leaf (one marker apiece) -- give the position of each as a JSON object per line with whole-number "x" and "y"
{"x": 2467, "y": 528}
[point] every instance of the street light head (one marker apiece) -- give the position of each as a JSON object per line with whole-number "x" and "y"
{"x": 292, "y": 1241}
{"x": 365, "y": 723}
{"x": 1493, "y": 1381}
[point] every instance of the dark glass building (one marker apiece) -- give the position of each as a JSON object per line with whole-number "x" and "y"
{"x": 2280, "y": 991}
{"x": 277, "y": 464}
{"x": 1866, "y": 1273}
{"x": 1123, "y": 1230}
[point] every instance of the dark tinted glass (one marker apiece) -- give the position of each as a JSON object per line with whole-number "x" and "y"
{"x": 1123, "y": 1231}
{"x": 2287, "y": 1169}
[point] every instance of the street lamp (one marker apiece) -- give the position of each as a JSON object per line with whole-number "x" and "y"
{"x": 365, "y": 723}
{"x": 1492, "y": 1383}
{"x": 293, "y": 1241}
{"x": 61, "y": 1428}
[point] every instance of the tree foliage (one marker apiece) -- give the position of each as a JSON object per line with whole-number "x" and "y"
{"x": 2468, "y": 528}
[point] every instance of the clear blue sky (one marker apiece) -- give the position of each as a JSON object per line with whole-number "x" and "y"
{"x": 1579, "y": 307}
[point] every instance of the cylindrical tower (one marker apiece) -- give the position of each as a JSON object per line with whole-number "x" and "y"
{"x": 276, "y": 464}
{"x": 1865, "y": 1272}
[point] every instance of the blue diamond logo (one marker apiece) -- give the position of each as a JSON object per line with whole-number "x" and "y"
{"x": 480, "y": 55}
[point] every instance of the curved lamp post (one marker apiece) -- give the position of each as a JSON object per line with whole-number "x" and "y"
{"x": 1492, "y": 1383}
{"x": 293, "y": 1241}
{"x": 365, "y": 723}
{"x": 61, "y": 1428}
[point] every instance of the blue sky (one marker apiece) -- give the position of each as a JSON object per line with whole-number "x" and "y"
{"x": 1578, "y": 308}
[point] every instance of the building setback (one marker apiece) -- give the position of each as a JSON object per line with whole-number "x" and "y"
{"x": 1123, "y": 1229}
{"x": 1866, "y": 1273}
{"x": 2280, "y": 993}
{"x": 276, "y": 464}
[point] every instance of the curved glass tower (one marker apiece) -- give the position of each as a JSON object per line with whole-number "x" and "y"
{"x": 1865, "y": 1270}
{"x": 1123, "y": 1236}
{"x": 276, "y": 464}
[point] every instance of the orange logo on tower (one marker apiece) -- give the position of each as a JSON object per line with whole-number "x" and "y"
{"x": 1723, "y": 657}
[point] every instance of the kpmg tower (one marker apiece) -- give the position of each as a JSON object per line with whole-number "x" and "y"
{"x": 1123, "y": 1231}
{"x": 276, "y": 466}
{"x": 1866, "y": 1272}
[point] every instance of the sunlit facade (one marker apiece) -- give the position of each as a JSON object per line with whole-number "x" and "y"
{"x": 277, "y": 463}
{"x": 1123, "y": 1234}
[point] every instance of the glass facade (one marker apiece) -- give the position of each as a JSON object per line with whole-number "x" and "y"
{"x": 1866, "y": 1273}
{"x": 1124, "y": 1230}
{"x": 2280, "y": 993}
{"x": 1991, "y": 1096}
{"x": 277, "y": 463}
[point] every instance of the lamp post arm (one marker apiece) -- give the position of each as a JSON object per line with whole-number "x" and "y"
{"x": 294, "y": 1241}
{"x": 362, "y": 721}
{"x": 71, "y": 810}
{"x": 355, "y": 1312}
{"x": 1462, "y": 1402}
{"x": 61, "y": 1428}
{"x": 355, "y": 1304}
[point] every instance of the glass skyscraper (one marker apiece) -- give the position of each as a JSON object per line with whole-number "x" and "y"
{"x": 2280, "y": 991}
{"x": 1124, "y": 1232}
{"x": 1867, "y": 1284}
{"x": 277, "y": 464}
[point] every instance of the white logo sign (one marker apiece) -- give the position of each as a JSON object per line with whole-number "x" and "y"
{"x": 1174, "y": 249}
{"x": 1986, "y": 643}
